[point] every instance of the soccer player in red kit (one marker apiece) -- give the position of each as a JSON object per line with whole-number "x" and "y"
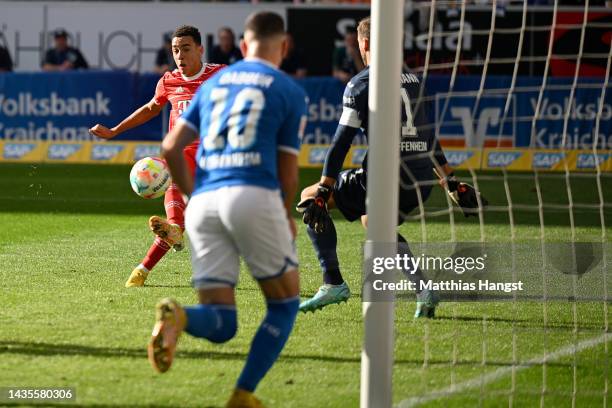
{"x": 176, "y": 87}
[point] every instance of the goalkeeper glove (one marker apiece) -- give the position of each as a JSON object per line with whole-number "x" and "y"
{"x": 314, "y": 210}
{"x": 464, "y": 195}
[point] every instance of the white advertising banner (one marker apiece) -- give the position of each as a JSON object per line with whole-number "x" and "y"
{"x": 112, "y": 35}
{"x": 21, "y": 29}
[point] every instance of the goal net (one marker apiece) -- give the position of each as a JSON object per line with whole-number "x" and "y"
{"x": 519, "y": 96}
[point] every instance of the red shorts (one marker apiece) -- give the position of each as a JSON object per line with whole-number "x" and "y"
{"x": 190, "y": 156}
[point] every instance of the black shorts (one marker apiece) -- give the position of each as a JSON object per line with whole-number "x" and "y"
{"x": 350, "y": 195}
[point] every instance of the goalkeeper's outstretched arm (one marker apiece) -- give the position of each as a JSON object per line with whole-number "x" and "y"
{"x": 141, "y": 115}
{"x": 336, "y": 154}
{"x": 462, "y": 194}
{"x": 441, "y": 166}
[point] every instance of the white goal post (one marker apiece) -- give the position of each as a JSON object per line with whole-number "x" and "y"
{"x": 383, "y": 181}
{"x": 545, "y": 192}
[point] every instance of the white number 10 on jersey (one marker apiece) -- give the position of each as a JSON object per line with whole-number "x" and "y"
{"x": 240, "y": 129}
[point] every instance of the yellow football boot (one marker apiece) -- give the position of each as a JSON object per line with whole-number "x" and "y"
{"x": 137, "y": 278}
{"x": 243, "y": 399}
{"x": 170, "y": 322}
{"x": 172, "y": 234}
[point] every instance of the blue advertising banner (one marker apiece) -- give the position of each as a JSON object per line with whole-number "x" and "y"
{"x": 63, "y": 106}
{"x": 465, "y": 117}
{"x": 324, "y": 110}
{"x": 144, "y": 89}
{"x": 498, "y": 118}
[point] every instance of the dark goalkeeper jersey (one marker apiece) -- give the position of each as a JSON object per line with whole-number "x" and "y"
{"x": 418, "y": 146}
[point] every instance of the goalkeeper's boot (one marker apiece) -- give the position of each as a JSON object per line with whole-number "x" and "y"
{"x": 427, "y": 301}
{"x": 326, "y": 295}
{"x": 172, "y": 234}
{"x": 243, "y": 399}
{"x": 170, "y": 322}
{"x": 137, "y": 278}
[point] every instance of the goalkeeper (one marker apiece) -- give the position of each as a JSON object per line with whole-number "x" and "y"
{"x": 421, "y": 155}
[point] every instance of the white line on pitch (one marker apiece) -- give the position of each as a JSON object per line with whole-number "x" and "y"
{"x": 503, "y": 371}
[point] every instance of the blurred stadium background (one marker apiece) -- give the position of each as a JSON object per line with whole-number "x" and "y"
{"x": 519, "y": 94}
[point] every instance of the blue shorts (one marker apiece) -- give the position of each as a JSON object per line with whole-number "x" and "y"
{"x": 350, "y": 195}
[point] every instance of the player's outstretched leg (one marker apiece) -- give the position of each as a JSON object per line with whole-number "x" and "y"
{"x": 427, "y": 300}
{"x": 139, "y": 275}
{"x": 170, "y": 323}
{"x": 334, "y": 289}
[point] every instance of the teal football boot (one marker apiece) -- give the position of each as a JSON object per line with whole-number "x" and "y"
{"x": 427, "y": 301}
{"x": 326, "y": 295}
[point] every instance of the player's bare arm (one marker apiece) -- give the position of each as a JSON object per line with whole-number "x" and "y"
{"x": 142, "y": 115}
{"x": 288, "y": 179}
{"x": 172, "y": 150}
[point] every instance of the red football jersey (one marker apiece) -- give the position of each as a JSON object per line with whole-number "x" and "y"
{"x": 179, "y": 89}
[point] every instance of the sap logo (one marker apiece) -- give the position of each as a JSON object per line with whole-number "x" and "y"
{"x": 502, "y": 159}
{"x": 62, "y": 151}
{"x": 546, "y": 160}
{"x": 143, "y": 151}
{"x": 358, "y": 156}
{"x": 105, "y": 152}
{"x": 590, "y": 160}
{"x": 17, "y": 150}
{"x": 458, "y": 158}
{"x": 317, "y": 155}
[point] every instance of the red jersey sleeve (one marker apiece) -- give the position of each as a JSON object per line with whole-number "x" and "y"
{"x": 161, "y": 97}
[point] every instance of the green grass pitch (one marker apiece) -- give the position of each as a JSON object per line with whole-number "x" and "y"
{"x": 71, "y": 234}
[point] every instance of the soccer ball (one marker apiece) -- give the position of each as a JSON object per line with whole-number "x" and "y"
{"x": 150, "y": 177}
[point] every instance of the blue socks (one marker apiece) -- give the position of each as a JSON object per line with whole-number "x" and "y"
{"x": 324, "y": 244}
{"x": 216, "y": 323}
{"x": 268, "y": 341}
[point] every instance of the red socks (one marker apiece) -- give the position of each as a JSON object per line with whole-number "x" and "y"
{"x": 175, "y": 212}
{"x": 156, "y": 252}
{"x": 175, "y": 206}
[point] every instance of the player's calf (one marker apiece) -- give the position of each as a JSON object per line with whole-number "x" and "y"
{"x": 216, "y": 323}
{"x": 268, "y": 341}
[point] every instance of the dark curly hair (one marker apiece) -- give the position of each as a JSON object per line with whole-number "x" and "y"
{"x": 188, "y": 31}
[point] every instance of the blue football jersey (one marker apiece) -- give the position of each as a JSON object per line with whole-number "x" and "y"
{"x": 418, "y": 147}
{"x": 244, "y": 115}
